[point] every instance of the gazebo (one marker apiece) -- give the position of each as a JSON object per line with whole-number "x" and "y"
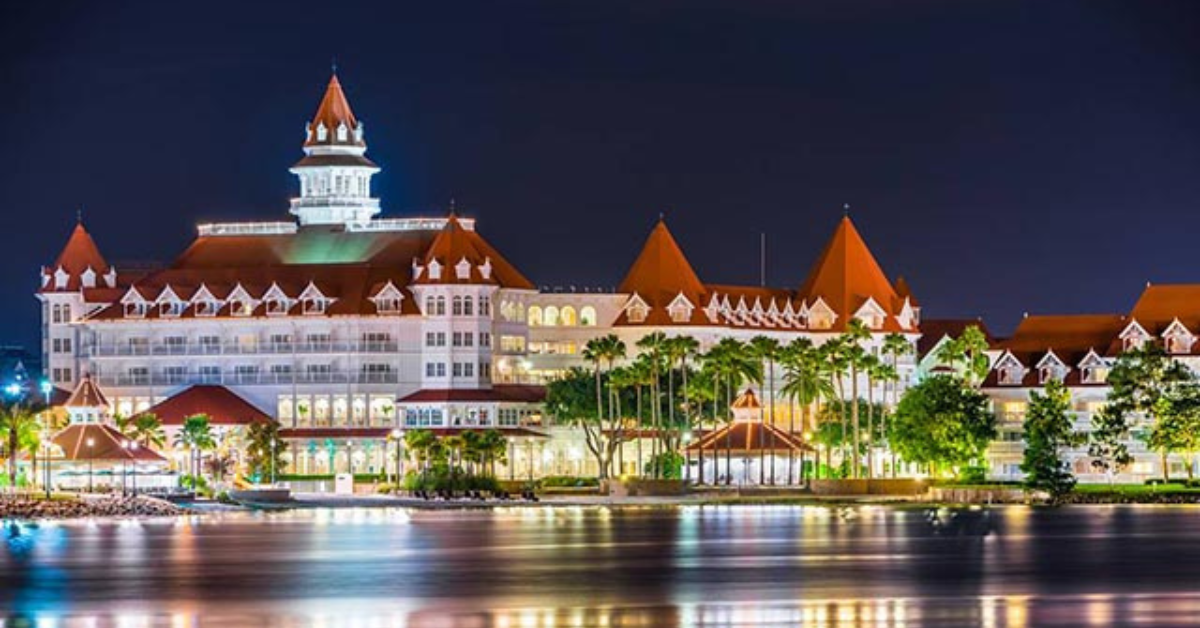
{"x": 747, "y": 450}
{"x": 95, "y": 453}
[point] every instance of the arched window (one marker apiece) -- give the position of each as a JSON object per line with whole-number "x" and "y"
{"x": 458, "y": 306}
{"x": 587, "y": 316}
{"x": 429, "y": 305}
{"x": 535, "y": 316}
{"x": 567, "y": 317}
{"x": 441, "y": 306}
{"x": 550, "y": 316}
{"x": 468, "y": 306}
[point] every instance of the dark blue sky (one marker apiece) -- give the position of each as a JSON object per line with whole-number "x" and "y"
{"x": 1005, "y": 156}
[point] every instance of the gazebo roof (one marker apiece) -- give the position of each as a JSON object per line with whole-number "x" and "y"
{"x": 106, "y": 444}
{"x": 746, "y": 438}
{"x": 221, "y": 405}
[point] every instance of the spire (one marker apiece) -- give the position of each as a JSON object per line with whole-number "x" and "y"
{"x": 661, "y": 271}
{"x": 846, "y": 275}
{"x": 455, "y": 245}
{"x": 334, "y": 113}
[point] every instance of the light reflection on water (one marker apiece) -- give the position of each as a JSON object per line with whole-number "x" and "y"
{"x": 653, "y": 566}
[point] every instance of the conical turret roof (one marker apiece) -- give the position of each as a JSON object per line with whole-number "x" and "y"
{"x": 334, "y": 111}
{"x": 846, "y": 276}
{"x": 661, "y": 271}
{"x": 79, "y": 254}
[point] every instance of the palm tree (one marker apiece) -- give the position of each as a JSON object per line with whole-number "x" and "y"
{"x": 197, "y": 436}
{"x": 147, "y": 430}
{"x": 871, "y": 367}
{"x": 639, "y": 375}
{"x": 767, "y": 350}
{"x": 653, "y": 348}
{"x": 18, "y": 426}
{"x": 856, "y": 332}
{"x": 894, "y": 346}
{"x": 679, "y": 349}
{"x": 834, "y": 359}
{"x": 605, "y": 350}
{"x": 733, "y": 364}
{"x": 805, "y": 382}
{"x": 619, "y": 379}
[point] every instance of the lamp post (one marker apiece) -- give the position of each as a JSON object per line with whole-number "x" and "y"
{"x": 125, "y": 469}
{"x": 134, "y": 446}
{"x": 90, "y": 443}
{"x": 396, "y": 434}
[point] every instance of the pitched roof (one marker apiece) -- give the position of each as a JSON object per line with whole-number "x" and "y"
{"x": 106, "y": 444}
{"x": 846, "y": 275}
{"x": 86, "y": 395}
{"x": 79, "y": 254}
{"x": 905, "y": 292}
{"x": 223, "y": 407}
{"x": 333, "y": 111}
{"x": 454, "y": 244}
{"x": 746, "y": 401}
{"x": 1069, "y": 336}
{"x": 935, "y": 329}
{"x": 516, "y": 393}
{"x": 744, "y": 438}
{"x": 659, "y": 274}
{"x": 1160, "y": 304}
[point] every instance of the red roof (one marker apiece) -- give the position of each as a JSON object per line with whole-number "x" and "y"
{"x": 905, "y": 292}
{"x": 661, "y": 273}
{"x": 106, "y": 444}
{"x": 86, "y": 395}
{"x": 747, "y": 401}
{"x": 749, "y": 438}
{"x": 333, "y": 111}
{"x": 514, "y": 393}
{"x": 1071, "y": 337}
{"x": 1159, "y": 305}
{"x": 80, "y": 254}
{"x": 846, "y": 275}
{"x": 454, "y": 244}
{"x": 223, "y": 407}
{"x": 933, "y": 330}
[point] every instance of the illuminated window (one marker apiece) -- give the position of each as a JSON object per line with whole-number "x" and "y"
{"x": 550, "y": 316}
{"x": 587, "y": 316}
{"x": 567, "y": 317}
{"x": 535, "y": 316}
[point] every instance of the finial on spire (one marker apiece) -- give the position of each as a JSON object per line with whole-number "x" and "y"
{"x": 453, "y": 205}
{"x": 333, "y": 63}
{"x": 846, "y": 209}
{"x": 79, "y": 215}
{"x": 662, "y": 216}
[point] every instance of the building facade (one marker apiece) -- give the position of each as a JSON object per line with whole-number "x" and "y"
{"x": 345, "y": 326}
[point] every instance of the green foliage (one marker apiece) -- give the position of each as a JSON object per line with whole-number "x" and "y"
{"x": 942, "y": 422}
{"x": 967, "y": 355}
{"x": 569, "y": 481}
{"x": 444, "y": 478}
{"x": 147, "y": 430}
{"x": 667, "y": 465}
{"x": 1048, "y": 430}
{"x": 263, "y": 446}
{"x": 1147, "y": 381}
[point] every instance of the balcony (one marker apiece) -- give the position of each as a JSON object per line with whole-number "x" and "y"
{"x": 233, "y": 348}
{"x": 247, "y": 379}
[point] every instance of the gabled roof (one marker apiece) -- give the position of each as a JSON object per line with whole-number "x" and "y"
{"x": 1070, "y": 337}
{"x": 1160, "y": 304}
{"x": 935, "y": 329}
{"x": 744, "y": 438}
{"x": 79, "y": 254}
{"x": 86, "y": 395}
{"x": 454, "y": 244}
{"x": 334, "y": 110}
{"x": 846, "y": 275}
{"x": 659, "y": 274}
{"x": 223, "y": 407}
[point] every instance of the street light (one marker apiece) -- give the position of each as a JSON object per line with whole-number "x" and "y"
{"x": 90, "y": 443}
{"x": 396, "y": 435}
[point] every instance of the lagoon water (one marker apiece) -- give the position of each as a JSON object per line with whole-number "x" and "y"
{"x": 631, "y": 566}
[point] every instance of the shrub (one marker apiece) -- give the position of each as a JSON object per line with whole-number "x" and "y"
{"x": 569, "y": 481}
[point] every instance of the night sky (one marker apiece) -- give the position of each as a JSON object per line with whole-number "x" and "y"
{"x": 1004, "y": 156}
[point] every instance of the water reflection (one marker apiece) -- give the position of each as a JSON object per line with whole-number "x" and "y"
{"x": 697, "y": 566}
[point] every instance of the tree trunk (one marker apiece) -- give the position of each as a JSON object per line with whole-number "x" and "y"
{"x": 870, "y": 427}
{"x": 1165, "y": 467}
{"x": 854, "y": 415}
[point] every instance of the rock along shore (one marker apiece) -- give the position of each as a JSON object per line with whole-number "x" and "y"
{"x": 74, "y": 507}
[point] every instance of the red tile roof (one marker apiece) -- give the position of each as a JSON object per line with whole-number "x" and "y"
{"x": 746, "y": 401}
{"x": 454, "y": 244}
{"x": 106, "y": 444}
{"x": 333, "y": 111}
{"x": 79, "y": 254}
{"x": 749, "y": 438}
{"x": 846, "y": 275}
{"x": 223, "y": 407}
{"x": 86, "y": 395}
{"x": 661, "y": 273}
{"x": 515, "y": 393}
{"x": 1160, "y": 304}
{"x": 1071, "y": 337}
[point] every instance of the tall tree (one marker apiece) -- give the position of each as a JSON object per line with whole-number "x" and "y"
{"x": 967, "y": 354}
{"x": 147, "y": 430}
{"x": 895, "y": 346}
{"x": 1143, "y": 381}
{"x": 680, "y": 349}
{"x": 1047, "y": 431}
{"x": 943, "y": 422}
{"x": 856, "y": 333}
{"x": 196, "y": 435}
{"x": 805, "y": 382}
{"x": 603, "y": 352}
{"x": 1107, "y": 442}
{"x": 654, "y": 347}
{"x": 263, "y": 445}
{"x": 767, "y": 351}
{"x": 18, "y": 425}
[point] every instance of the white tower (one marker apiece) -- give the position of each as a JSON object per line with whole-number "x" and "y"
{"x": 335, "y": 175}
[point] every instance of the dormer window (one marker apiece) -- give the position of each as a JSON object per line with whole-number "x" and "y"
{"x": 435, "y": 270}
{"x": 342, "y": 132}
{"x": 1095, "y": 374}
{"x": 485, "y": 269}
{"x": 208, "y": 307}
{"x": 322, "y": 132}
{"x": 241, "y": 307}
{"x": 136, "y": 309}
{"x": 60, "y": 278}
{"x": 171, "y": 309}
{"x": 1048, "y": 373}
{"x": 358, "y": 132}
{"x": 277, "y": 306}
{"x": 1179, "y": 344}
{"x": 387, "y": 305}
{"x": 636, "y": 309}
{"x": 462, "y": 270}
{"x": 1011, "y": 375}
{"x": 315, "y": 305}
{"x": 88, "y": 278}
{"x": 680, "y": 309}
